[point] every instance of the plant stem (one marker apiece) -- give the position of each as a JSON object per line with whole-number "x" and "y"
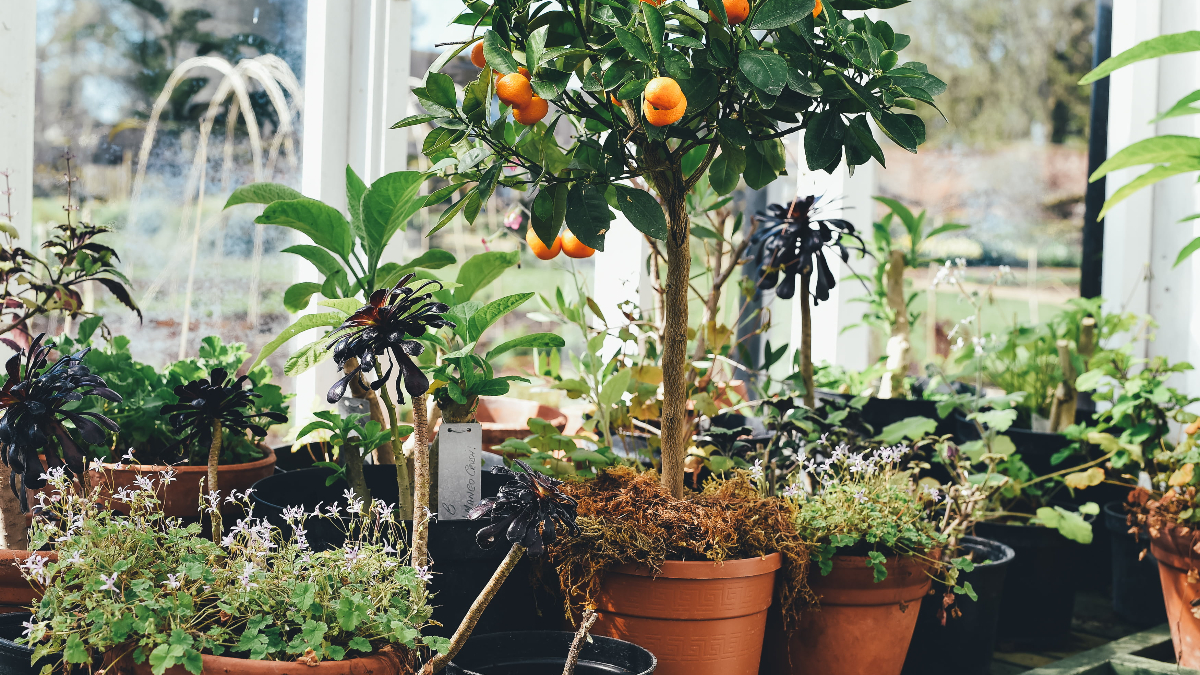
{"x": 589, "y": 618}
{"x": 403, "y": 482}
{"x": 385, "y": 453}
{"x": 421, "y": 510}
{"x": 806, "y": 364}
{"x": 354, "y": 473}
{"x": 468, "y": 623}
{"x": 675, "y": 327}
{"x": 214, "y": 454}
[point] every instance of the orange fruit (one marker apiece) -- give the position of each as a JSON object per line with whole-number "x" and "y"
{"x": 663, "y": 93}
{"x": 531, "y": 113}
{"x": 520, "y": 69}
{"x": 652, "y": 2}
{"x": 615, "y": 100}
{"x": 737, "y": 11}
{"x": 513, "y": 89}
{"x": 817, "y": 9}
{"x": 477, "y": 55}
{"x": 539, "y": 249}
{"x": 575, "y": 248}
{"x": 1193, "y": 428}
{"x": 661, "y": 118}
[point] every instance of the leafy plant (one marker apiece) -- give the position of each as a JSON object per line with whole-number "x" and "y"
{"x": 148, "y": 588}
{"x": 555, "y": 454}
{"x": 1171, "y": 155}
{"x": 743, "y": 87}
{"x": 35, "y": 287}
{"x": 352, "y": 439}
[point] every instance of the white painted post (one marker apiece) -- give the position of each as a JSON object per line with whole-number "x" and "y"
{"x": 618, "y": 273}
{"x": 18, "y": 77}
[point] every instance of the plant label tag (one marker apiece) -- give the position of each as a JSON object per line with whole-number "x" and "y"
{"x": 460, "y": 449}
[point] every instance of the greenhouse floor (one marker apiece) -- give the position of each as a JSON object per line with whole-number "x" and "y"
{"x": 1095, "y": 625}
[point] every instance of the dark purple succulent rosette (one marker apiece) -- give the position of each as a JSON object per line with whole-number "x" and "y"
{"x": 529, "y": 510}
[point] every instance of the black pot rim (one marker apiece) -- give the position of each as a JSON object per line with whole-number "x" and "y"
{"x": 1006, "y": 551}
{"x": 514, "y": 636}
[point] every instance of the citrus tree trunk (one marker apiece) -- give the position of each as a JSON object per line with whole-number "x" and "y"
{"x": 899, "y": 344}
{"x": 674, "y": 361}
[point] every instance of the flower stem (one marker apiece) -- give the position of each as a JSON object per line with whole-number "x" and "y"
{"x": 421, "y": 510}
{"x": 465, "y": 628}
{"x": 214, "y": 454}
{"x": 402, "y": 479}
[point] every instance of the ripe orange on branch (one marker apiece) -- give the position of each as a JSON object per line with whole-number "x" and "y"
{"x": 663, "y": 93}
{"x": 513, "y": 89}
{"x": 575, "y": 248}
{"x": 817, "y": 9}
{"x": 531, "y": 113}
{"x": 477, "y": 55}
{"x": 539, "y": 249}
{"x": 737, "y": 11}
{"x": 661, "y": 118}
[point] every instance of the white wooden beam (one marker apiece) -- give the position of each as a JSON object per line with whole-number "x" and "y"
{"x": 18, "y": 78}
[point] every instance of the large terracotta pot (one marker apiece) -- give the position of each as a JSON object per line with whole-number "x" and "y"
{"x": 182, "y": 498}
{"x": 1173, "y": 547}
{"x": 697, "y": 618}
{"x": 16, "y": 593}
{"x": 861, "y": 628}
{"x": 375, "y": 664}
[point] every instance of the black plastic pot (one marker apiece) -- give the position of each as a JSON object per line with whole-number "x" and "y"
{"x": 880, "y": 412}
{"x": 461, "y": 569}
{"x": 1039, "y": 594}
{"x": 964, "y": 645}
{"x": 1136, "y": 589}
{"x": 545, "y": 653}
{"x": 14, "y": 658}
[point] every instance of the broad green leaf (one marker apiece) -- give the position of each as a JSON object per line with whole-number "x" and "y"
{"x": 862, "y": 144}
{"x": 387, "y": 206}
{"x": 355, "y": 189}
{"x": 758, "y": 172}
{"x": 433, "y": 259}
{"x": 414, "y": 120}
{"x": 1147, "y": 179}
{"x": 262, "y": 193}
{"x": 533, "y": 341}
{"x": 482, "y": 269}
{"x": 899, "y": 129}
{"x": 1069, "y": 524}
{"x": 534, "y": 47}
{"x": 1176, "y": 43}
{"x": 487, "y": 315}
{"x": 320, "y": 258}
{"x": 997, "y": 420}
{"x": 655, "y": 26}
{"x": 766, "y": 70}
{"x": 322, "y": 223}
{"x": 588, "y": 214}
{"x": 297, "y": 296}
{"x": 1156, "y": 150}
{"x": 497, "y": 54}
{"x": 307, "y": 356}
{"x": 346, "y": 306}
{"x": 548, "y": 212}
{"x": 911, "y": 428}
{"x": 642, "y": 210}
{"x": 823, "y": 139}
{"x": 614, "y": 388}
{"x": 634, "y": 45}
{"x": 440, "y": 88}
{"x": 550, "y": 83}
{"x": 779, "y": 13}
{"x": 725, "y": 171}
{"x": 717, "y": 7}
{"x": 304, "y": 323}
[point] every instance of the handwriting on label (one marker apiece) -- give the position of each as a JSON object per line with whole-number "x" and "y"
{"x": 459, "y": 447}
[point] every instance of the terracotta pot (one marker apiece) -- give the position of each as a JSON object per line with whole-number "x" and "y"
{"x": 16, "y": 593}
{"x": 862, "y": 627}
{"x": 1175, "y": 558}
{"x": 697, "y": 618}
{"x": 182, "y": 498}
{"x": 375, "y": 664}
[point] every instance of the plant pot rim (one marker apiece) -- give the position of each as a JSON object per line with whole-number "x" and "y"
{"x": 507, "y": 637}
{"x": 707, "y": 569}
{"x": 1166, "y": 548}
{"x": 187, "y": 468}
{"x": 372, "y": 664}
{"x": 1009, "y": 554}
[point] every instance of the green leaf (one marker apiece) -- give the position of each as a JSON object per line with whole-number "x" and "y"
{"x": 779, "y": 13}
{"x": 1156, "y": 150}
{"x": 1176, "y": 43}
{"x": 861, "y": 142}
{"x": 549, "y": 209}
{"x": 717, "y": 7}
{"x": 655, "y": 26}
{"x": 304, "y": 323}
{"x": 823, "y": 139}
{"x": 725, "y": 172}
{"x": 320, "y": 258}
{"x": 346, "y": 306}
{"x": 435, "y": 258}
{"x": 642, "y": 210}
{"x": 262, "y": 193}
{"x": 911, "y": 428}
{"x": 361, "y": 644}
{"x": 899, "y": 130}
{"x": 758, "y": 172}
{"x": 414, "y": 120}
{"x": 632, "y": 89}
{"x": 297, "y": 296}
{"x": 588, "y": 215}
{"x": 534, "y": 47}
{"x": 322, "y": 223}
{"x": 531, "y": 341}
{"x": 1069, "y": 524}
{"x": 634, "y": 45}
{"x": 307, "y": 356}
{"x": 482, "y": 269}
{"x": 304, "y": 592}
{"x": 614, "y": 388}
{"x": 1182, "y": 108}
{"x": 900, "y": 210}
{"x": 766, "y": 70}
{"x": 1147, "y": 179}
{"x": 996, "y": 420}
{"x": 387, "y": 206}
{"x": 76, "y": 652}
{"x": 550, "y": 83}
{"x": 497, "y": 54}
{"x": 440, "y": 89}
{"x": 491, "y": 312}
{"x": 1187, "y": 251}
{"x": 355, "y": 188}
{"x": 440, "y": 195}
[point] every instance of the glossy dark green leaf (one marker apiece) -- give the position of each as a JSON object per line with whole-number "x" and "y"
{"x": 888, "y": 60}
{"x": 677, "y": 65}
{"x": 441, "y": 90}
{"x": 779, "y": 13}
{"x": 766, "y": 70}
{"x": 735, "y": 131}
{"x": 823, "y": 139}
{"x": 682, "y": 41}
{"x": 898, "y": 130}
{"x": 726, "y": 170}
{"x": 617, "y": 74}
{"x": 799, "y": 82}
{"x": 642, "y": 210}
{"x": 588, "y": 214}
{"x": 758, "y": 172}
{"x": 497, "y": 54}
{"x": 475, "y": 98}
{"x": 545, "y": 219}
{"x": 717, "y": 7}
{"x": 634, "y": 45}
{"x": 631, "y": 90}
{"x": 655, "y": 26}
{"x": 863, "y": 142}
{"x": 550, "y": 83}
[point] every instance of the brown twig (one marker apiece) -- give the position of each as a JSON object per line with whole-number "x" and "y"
{"x": 214, "y": 454}
{"x": 421, "y": 512}
{"x": 589, "y": 618}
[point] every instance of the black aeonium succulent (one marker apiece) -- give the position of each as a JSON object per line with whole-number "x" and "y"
{"x": 529, "y": 509}
{"x": 219, "y": 398}
{"x": 793, "y": 242}
{"x": 385, "y": 325}
{"x": 34, "y": 403}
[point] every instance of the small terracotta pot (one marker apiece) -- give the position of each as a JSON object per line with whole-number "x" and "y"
{"x": 375, "y": 664}
{"x": 697, "y": 618}
{"x": 861, "y": 627}
{"x": 1173, "y": 549}
{"x": 182, "y": 498}
{"x": 16, "y": 593}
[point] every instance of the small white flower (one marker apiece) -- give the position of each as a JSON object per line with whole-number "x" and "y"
{"x": 861, "y": 495}
{"x": 167, "y": 476}
{"x": 75, "y": 559}
{"x": 172, "y": 581}
{"x": 352, "y": 556}
{"x": 109, "y": 581}
{"x": 293, "y": 513}
{"x": 29, "y": 626}
{"x": 792, "y": 491}
{"x": 423, "y": 573}
{"x": 756, "y": 471}
{"x": 144, "y": 483}
{"x": 128, "y": 457}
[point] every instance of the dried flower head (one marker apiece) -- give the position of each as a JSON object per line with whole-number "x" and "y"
{"x": 221, "y": 398}
{"x": 34, "y": 400}
{"x": 386, "y": 324}
{"x": 529, "y": 508}
{"x": 793, "y": 242}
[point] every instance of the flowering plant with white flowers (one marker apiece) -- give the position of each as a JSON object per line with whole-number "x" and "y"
{"x": 149, "y": 588}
